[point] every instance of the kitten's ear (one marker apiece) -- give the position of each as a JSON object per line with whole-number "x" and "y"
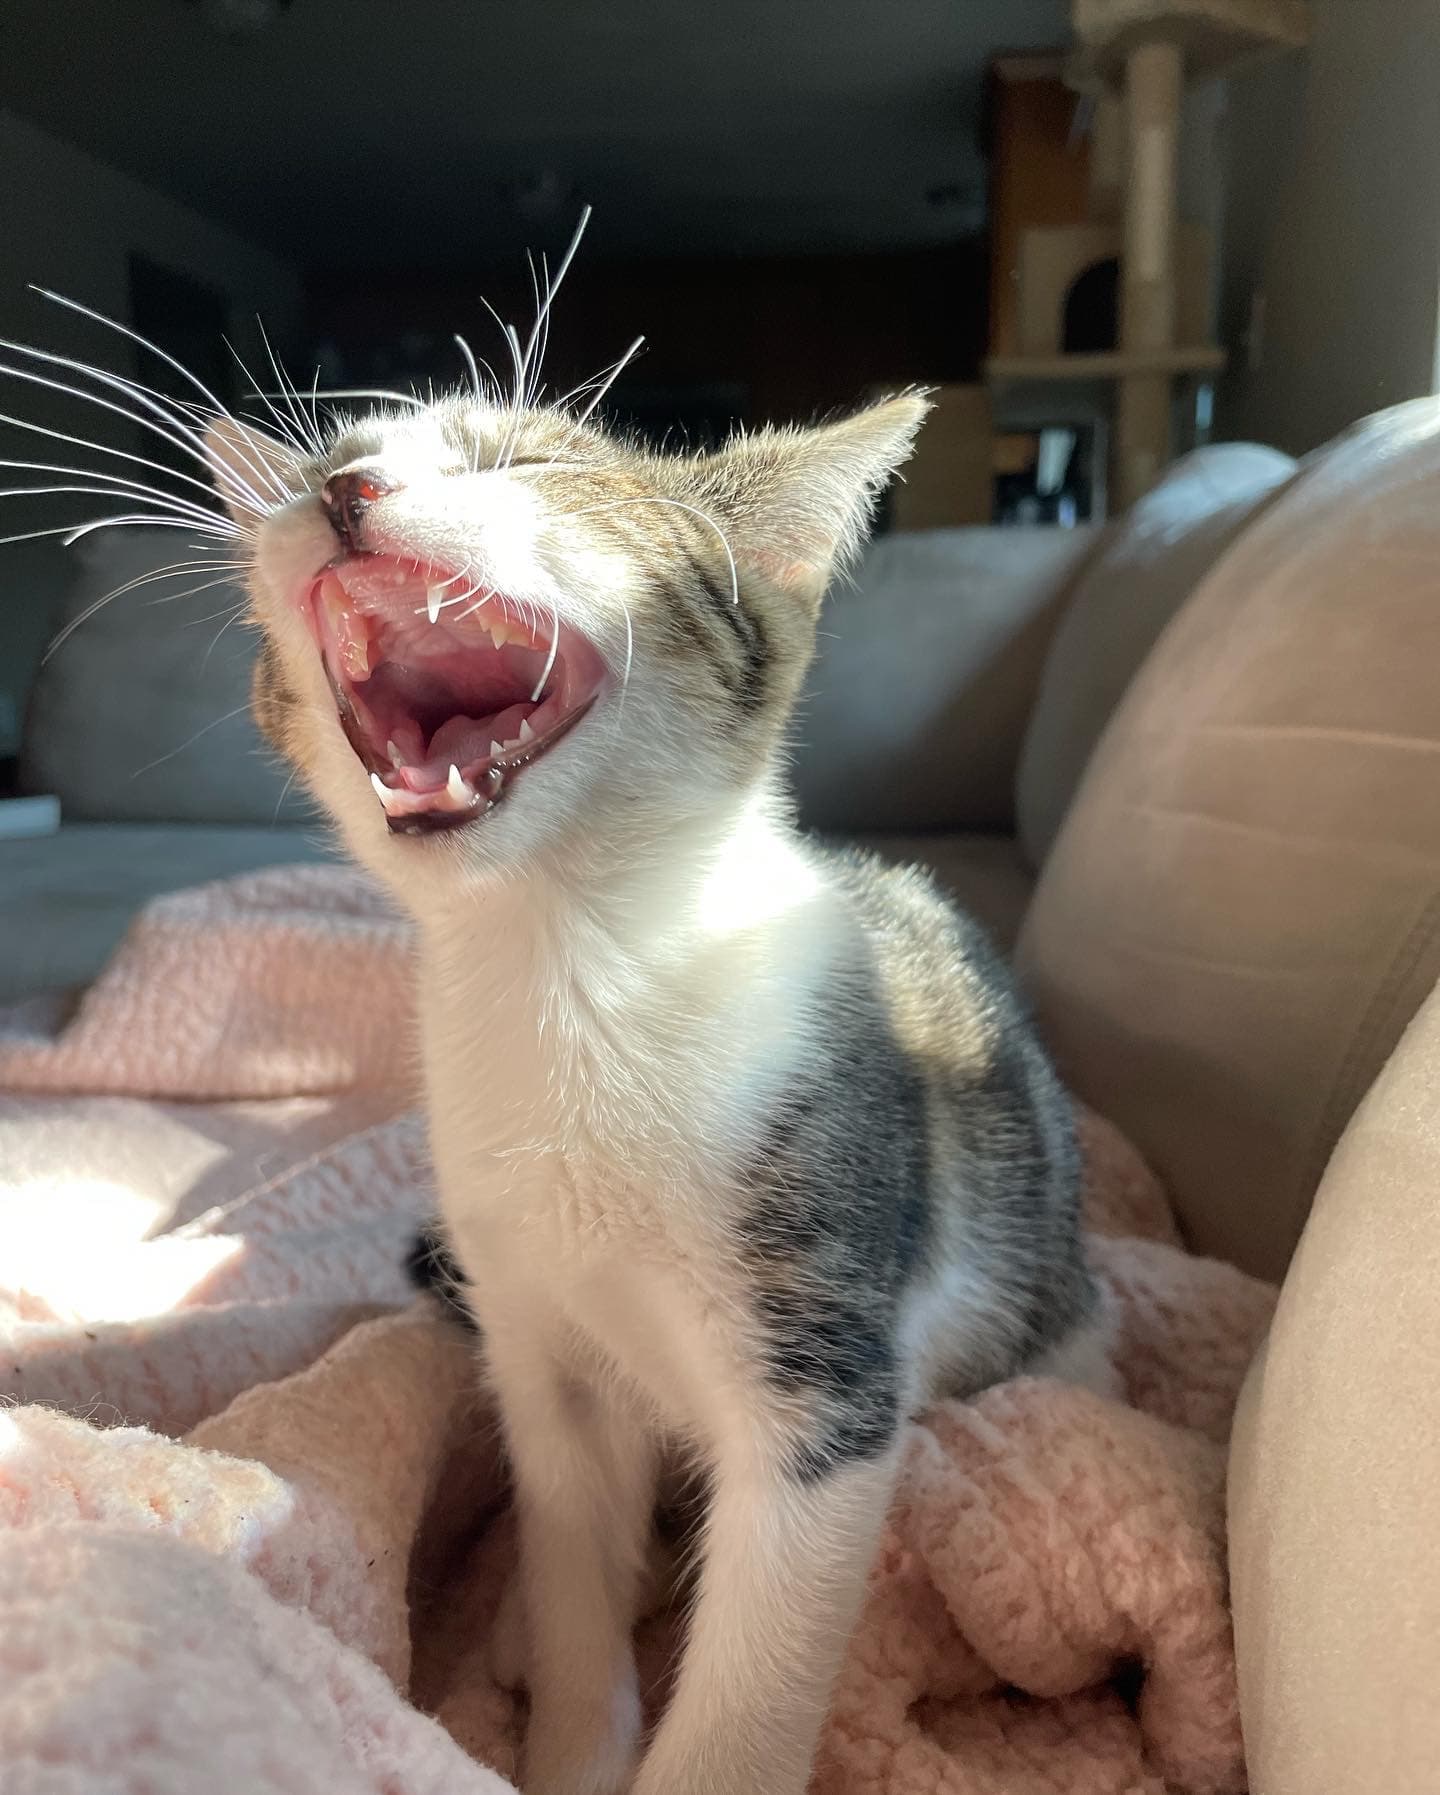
{"x": 795, "y": 503}
{"x": 254, "y": 472}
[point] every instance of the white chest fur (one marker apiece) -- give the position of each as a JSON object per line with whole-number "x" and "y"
{"x": 599, "y": 1064}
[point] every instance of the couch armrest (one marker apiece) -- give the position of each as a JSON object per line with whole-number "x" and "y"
{"x": 1335, "y": 1467}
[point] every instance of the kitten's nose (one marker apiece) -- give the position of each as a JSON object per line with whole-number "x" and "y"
{"x": 349, "y": 493}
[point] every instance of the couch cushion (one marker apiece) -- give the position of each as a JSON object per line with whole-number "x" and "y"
{"x": 1148, "y": 564}
{"x": 1242, "y": 909}
{"x": 1334, "y": 1502}
{"x": 914, "y": 711}
{"x": 141, "y": 715}
{"x": 985, "y": 874}
{"x": 67, "y": 899}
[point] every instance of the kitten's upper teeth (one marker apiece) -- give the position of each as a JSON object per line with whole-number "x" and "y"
{"x": 526, "y": 732}
{"x": 458, "y": 787}
{"x": 434, "y": 598}
{"x": 355, "y": 652}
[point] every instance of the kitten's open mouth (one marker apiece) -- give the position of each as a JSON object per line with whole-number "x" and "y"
{"x": 445, "y": 692}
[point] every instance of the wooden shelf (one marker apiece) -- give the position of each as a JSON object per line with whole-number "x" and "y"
{"x": 1215, "y": 36}
{"x": 1108, "y": 364}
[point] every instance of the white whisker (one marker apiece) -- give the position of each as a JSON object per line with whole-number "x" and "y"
{"x": 275, "y": 420}
{"x": 512, "y": 342}
{"x": 74, "y": 533}
{"x": 219, "y": 410}
{"x": 284, "y": 793}
{"x": 550, "y": 659}
{"x": 311, "y": 444}
{"x": 78, "y": 392}
{"x": 176, "y": 507}
{"x": 230, "y": 611}
{"x": 454, "y": 579}
{"x": 365, "y": 392}
{"x": 192, "y": 443}
{"x": 479, "y": 594}
{"x": 205, "y": 658}
{"x": 190, "y": 741}
{"x": 469, "y": 355}
{"x": 169, "y": 570}
{"x": 615, "y": 373}
{"x": 85, "y": 311}
{"x": 540, "y": 330}
{"x": 71, "y": 534}
{"x": 227, "y": 572}
{"x": 507, "y": 454}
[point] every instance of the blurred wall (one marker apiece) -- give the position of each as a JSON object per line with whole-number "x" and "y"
{"x": 797, "y": 335}
{"x": 71, "y": 223}
{"x": 1332, "y": 220}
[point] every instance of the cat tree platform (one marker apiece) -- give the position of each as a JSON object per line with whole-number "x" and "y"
{"x": 1138, "y": 54}
{"x": 1213, "y": 36}
{"x": 1106, "y": 364}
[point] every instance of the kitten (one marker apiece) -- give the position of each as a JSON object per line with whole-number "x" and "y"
{"x": 742, "y": 1146}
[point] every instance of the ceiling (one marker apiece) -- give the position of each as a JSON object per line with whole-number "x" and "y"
{"x": 371, "y": 133}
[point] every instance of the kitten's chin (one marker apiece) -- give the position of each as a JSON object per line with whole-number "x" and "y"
{"x": 446, "y": 691}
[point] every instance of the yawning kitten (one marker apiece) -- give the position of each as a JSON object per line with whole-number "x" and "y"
{"x": 743, "y": 1147}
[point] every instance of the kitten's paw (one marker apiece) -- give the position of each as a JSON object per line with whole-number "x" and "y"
{"x": 509, "y": 1646}
{"x": 575, "y": 1748}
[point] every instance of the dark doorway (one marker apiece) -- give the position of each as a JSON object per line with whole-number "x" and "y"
{"x": 1092, "y": 309}
{"x": 188, "y": 320}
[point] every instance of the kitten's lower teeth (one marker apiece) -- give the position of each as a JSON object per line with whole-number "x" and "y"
{"x": 393, "y": 801}
{"x": 456, "y": 794}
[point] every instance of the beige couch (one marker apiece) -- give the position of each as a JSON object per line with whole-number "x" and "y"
{"x": 1237, "y": 919}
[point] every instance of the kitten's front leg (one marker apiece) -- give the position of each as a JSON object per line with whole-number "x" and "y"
{"x": 786, "y": 1559}
{"x": 584, "y": 1492}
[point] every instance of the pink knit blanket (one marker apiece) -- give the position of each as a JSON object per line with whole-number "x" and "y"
{"x": 252, "y": 1515}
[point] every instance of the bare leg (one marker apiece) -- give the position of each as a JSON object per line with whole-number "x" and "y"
{"x": 784, "y": 1574}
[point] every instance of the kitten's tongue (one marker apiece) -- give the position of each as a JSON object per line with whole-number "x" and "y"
{"x": 466, "y": 739}
{"x": 443, "y": 693}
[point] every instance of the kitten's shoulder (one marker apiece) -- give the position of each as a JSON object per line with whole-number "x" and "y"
{"x": 947, "y": 993}
{"x": 902, "y": 904}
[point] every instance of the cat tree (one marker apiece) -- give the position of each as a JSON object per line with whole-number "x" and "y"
{"x": 1132, "y": 58}
{"x": 1141, "y": 51}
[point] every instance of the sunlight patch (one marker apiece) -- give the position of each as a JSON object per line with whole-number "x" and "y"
{"x": 759, "y": 879}
{"x": 75, "y": 1249}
